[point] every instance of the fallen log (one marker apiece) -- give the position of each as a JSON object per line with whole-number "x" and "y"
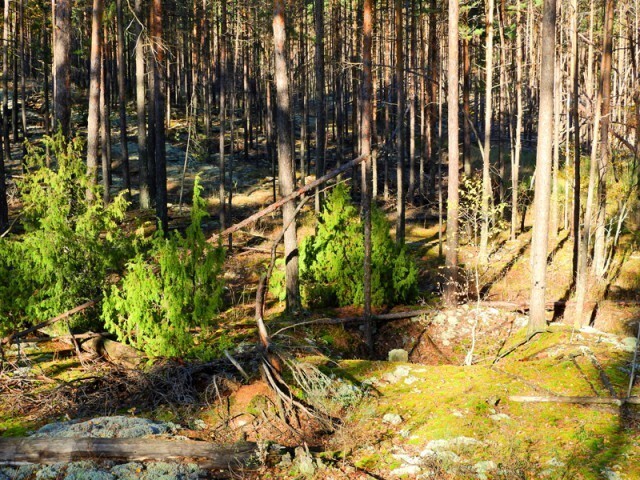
{"x": 112, "y": 351}
{"x": 292, "y": 196}
{"x": 12, "y": 338}
{"x": 15, "y": 451}
{"x": 578, "y": 400}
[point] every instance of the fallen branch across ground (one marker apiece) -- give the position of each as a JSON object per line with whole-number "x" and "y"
{"x": 385, "y": 317}
{"x": 578, "y": 400}
{"x": 12, "y": 338}
{"x": 15, "y": 451}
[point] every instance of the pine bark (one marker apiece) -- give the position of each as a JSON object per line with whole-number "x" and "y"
{"x": 122, "y": 97}
{"x": 321, "y": 133}
{"x": 540, "y": 239}
{"x": 62, "y": 65}
{"x": 143, "y": 158}
{"x": 365, "y": 146}
{"x": 159, "y": 113}
{"x": 451, "y": 270}
{"x": 285, "y": 155}
{"x": 95, "y": 86}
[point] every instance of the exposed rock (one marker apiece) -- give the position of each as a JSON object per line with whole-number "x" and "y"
{"x": 304, "y": 462}
{"x": 406, "y": 470}
{"x": 392, "y": 419}
{"x": 482, "y": 468}
{"x": 629, "y": 344}
{"x": 410, "y": 380}
{"x": 498, "y": 417}
{"x": 398, "y": 355}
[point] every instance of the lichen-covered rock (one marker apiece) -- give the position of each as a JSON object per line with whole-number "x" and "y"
{"x": 398, "y": 355}
{"x": 106, "y": 427}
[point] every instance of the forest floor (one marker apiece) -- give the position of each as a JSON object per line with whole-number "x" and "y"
{"x": 447, "y": 412}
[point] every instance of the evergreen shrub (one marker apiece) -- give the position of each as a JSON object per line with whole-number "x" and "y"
{"x": 70, "y": 244}
{"x": 331, "y": 260}
{"x": 168, "y": 291}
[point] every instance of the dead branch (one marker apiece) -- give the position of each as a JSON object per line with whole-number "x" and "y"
{"x": 12, "y": 338}
{"x": 276, "y": 205}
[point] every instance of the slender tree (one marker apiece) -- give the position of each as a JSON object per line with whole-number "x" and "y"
{"x": 93, "y": 125}
{"x": 143, "y": 159}
{"x": 285, "y": 154}
{"x": 122, "y": 96}
{"x": 451, "y": 272}
{"x": 540, "y": 239}
{"x": 365, "y": 149}
{"x": 321, "y": 134}
{"x": 159, "y": 112}
{"x": 599, "y": 251}
{"x": 486, "y": 152}
{"x": 62, "y": 65}
{"x": 399, "y": 71}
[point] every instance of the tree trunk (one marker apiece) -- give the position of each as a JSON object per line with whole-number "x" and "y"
{"x": 365, "y": 145}
{"x": 540, "y": 238}
{"x": 159, "y": 114}
{"x": 321, "y": 133}
{"x": 575, "y": 119}
{"x": 599, "y": 251}
{"x": 515, "y": 163}
{"x": 62, "y": 65}
{"x": 466, "y": 106}
{"x": 122, "y": 99}
{"x": 486, "y": 157}
{"x": 143, "y": 159}
{"x": 285, "y": 155}
{"x": 399, "y": 70}
{"x": 223, "y": 113}
{"x": 93, "y": 123}
{"x": 451, "y": 272}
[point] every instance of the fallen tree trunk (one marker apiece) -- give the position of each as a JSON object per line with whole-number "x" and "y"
{"x": 578, "y": 400}
{"x": 15, "y": 451}
{"x": 276, "y": 205}
{"x": 12, "y": 338}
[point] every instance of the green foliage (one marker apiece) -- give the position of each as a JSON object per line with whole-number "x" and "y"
{"x": 173, "y": 288}
{"x": 331, "y": 260}
{"x": 70, "y": 244}
{"x": 471, "y": 211}
{"x": 277, "y": 286}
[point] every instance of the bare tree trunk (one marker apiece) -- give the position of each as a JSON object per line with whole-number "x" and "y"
{"x": 5, "y": 82}
{"x": 93, "y": 125}
{"x": 105, "y": 126}
{"x": 575, "y": 118}
{"x": 285, "y": 155}
{"x": 159, "y": 114}
{"x": 515, "y": 163}
{"x": 143, "y": 158}
{"x": 400, "y": 194}
{"x": 554, "y": 220}
{"x": 321, "y": 133}
{"x": 540, "y": 239}
{"x": 223, "y": 113}
{"x": 451, "y": 279}
{"x": 486, "y": 157}
{"x": 599, "y": 253}
{"x": 122, "y": 98}
{"x": 62, "y": 65}
{"x": 365, "y": 145}
{"x": 466, "y": 106}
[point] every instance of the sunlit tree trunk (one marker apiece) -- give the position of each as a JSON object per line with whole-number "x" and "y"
{"x": 540, "y": 238}
{"x": 399, "y": 70}
{"x": 159, "y": 113}
{"x": 321, "y": 134}
{"x": 285, "y": 154}
{"x": 365, "y": 146}
{"x": 122, "y": 98}
{"x": 62, "y": 65}
{"x": 451, "y": 273}
{"x": 143, "y": 159}
{"x": 488, "y": 114}
{"x": 93, "y": 125}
